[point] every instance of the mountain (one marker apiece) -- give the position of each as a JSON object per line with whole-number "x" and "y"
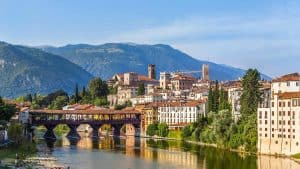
{"x": 111, "y": 58}
{"x": 26, "y": 70}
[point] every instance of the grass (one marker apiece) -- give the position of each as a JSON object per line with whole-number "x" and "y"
{"x": 23, "y": 150}
{"x": 297, "y": 156}
{"x": 175, "y": 134}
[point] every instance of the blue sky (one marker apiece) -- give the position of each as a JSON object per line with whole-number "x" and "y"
{"x": 264, "y": 34}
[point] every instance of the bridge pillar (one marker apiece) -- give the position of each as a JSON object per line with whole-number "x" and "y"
{"x": 117, "y": 130}
{"x": 95, "y": 132}
{"x": 73, "y": 134}
{"x": 49, "y": 133}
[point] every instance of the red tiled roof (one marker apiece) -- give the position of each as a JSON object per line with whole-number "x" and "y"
{"x": 289, "y": 95}
{"x": 108, "y": 111}
{"x": 288, "y": 77}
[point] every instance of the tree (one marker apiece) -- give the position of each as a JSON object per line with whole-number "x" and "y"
{"x": 251, "y": 94}
{"x": 76, "y": 97}
{"x": 98, "y": 88}
{"x": 59, "y": 103}
{"x": 15, "y": 132}
{"x": 186, "y": 132}
{"x": 141, "y": 89}
{"x": 83, "y": 92}
{"x": 162, "y": 130}
{"x": 29, "y": 98}
{"x": 151, "y": 129}
{"x": 7, "y": 111}
{"x": 216, "y": 96}
{"x": 210, "y": 100}
{"x": 101, "y": 101}
{"x": 224, "y": 104}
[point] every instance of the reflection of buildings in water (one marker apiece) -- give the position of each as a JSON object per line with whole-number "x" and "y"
{"x": 171, "y": 156}
{"x": 86, "y": 142}
{"x": 272, "y": 162}
{"x": 130, "y": 145}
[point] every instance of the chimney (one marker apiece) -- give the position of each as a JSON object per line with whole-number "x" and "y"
{"x": 151, "y": 71}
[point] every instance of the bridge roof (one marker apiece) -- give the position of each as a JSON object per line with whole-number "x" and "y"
{"x": 88, "y": 112}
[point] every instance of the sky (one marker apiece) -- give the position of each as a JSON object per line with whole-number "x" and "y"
{"x": 262, "y": 34}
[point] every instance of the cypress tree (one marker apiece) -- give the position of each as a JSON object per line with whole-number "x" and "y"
{"x": 210, "y": 100}
{"x": 83, "y": 93}
{"x": 76, "y": 93}
{"x": 251, "y": 94}
{"x": 216, "y": 96}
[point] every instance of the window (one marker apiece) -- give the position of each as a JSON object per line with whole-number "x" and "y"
{"x": 276, "y": 142}
{"x": 279, "y": 104}
{"x": 272, "y": 104}
{"x": 288, "y": 83}
{"x": 279, "y": 113}
{"x": 297, "y": 83}
{"x": 266, "y": 135}
{"x": 272, "y": 129}
{"x": 272, "y": 121}
{"x": 297, "y": 144}
{"x": 289, "y": 113}
{"x": 266, "y": 129}
{"x": 272, "y": 135}
{"x": 272, "y": 113}
{"x": 266, "y": 121}
{"x": 289, "y": 104}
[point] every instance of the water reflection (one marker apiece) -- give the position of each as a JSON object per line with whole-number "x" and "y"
{"x": 131, "y": 152}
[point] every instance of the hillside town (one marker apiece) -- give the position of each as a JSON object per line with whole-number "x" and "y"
{"x": 178, "y": 100}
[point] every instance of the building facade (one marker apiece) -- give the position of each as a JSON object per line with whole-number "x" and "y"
{"x": 179, "y": 114}
{"x": 279, "y": 120}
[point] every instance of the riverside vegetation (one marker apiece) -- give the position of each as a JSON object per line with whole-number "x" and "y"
{"x": 218, "y": 127}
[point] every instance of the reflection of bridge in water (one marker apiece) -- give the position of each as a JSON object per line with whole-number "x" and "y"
{"x": 95, "y": 118}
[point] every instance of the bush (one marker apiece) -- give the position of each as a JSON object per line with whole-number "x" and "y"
{"x": 163, "y": 130}
{"x": 151, "y": 129}
{"x": 15, "y": 133}
{"x": 186, "y": 132}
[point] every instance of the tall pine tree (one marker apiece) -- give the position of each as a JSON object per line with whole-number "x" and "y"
{"x": 76, "y": 93}
{"x": 251, "y": 93}
{"x": 210, "y": 100}
{"x": 216, "y": 96}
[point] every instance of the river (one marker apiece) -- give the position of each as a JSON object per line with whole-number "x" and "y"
{"x": 142, "y": 153}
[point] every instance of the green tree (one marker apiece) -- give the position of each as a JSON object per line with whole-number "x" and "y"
{"x": 210, "y": 100}
{"x": 101, "y": 101}
{"x": 83, "y": 92}
{"x": 151, "y": 129}
{"x": 224, "y": 104}
{"x": 186, "y": 132}
{"x": 15, "y": 133}
{"x": 59, "y": 103}
{"x": 98, "y": 88}
{"x": 76, "y": 95}
{"x": 216, "y": 98}
{"x": 141, "y": 89}
{"x": 7, "y": 111}
{"x": 251, "y": 94}
{"x": 162, "y": 130}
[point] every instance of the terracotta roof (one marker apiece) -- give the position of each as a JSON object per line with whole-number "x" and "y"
{"x": 289, "y": 95}
{"x": 146, "y": 79}
{"x": 108, "y": 111}
{"x": 288, "y": 77}
{"x": 181, "y": 104}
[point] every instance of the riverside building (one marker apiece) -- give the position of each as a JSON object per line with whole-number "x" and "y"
{"x": 279, "y": 120}
{"x": 179, "y": 114}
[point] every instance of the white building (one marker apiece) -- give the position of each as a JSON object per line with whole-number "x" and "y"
{"x": 279, "y": 121}
{"x": 147, "y": 99}
{"x": 180, "y": 114}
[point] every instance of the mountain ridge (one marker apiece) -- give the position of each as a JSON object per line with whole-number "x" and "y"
{"x": 136, "y": 57}
{"x": 25, "y": 70}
